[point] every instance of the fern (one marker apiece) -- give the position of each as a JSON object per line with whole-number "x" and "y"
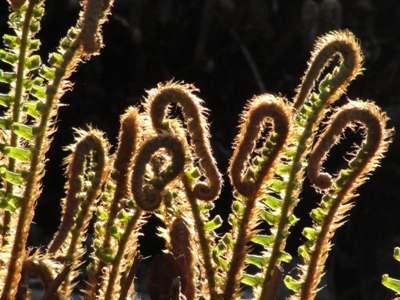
{"x": 163, "y": 165}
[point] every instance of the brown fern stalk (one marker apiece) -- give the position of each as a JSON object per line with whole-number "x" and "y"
{"x": 182, "y": 250}
{"x": 259, "y": 109}
{"x": 204, "y": 240}
{"x": 94, "y": 14}
{"x": 126, "y": 238}
{"x": 341, "y": 189}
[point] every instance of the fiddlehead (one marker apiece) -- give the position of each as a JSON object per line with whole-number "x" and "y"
{"x": 199, "y": 153}
{"x": 109, "y": 209}
{"x": 262, "y": 110}
{"x": 340, "y": 190}
{"x": 90, "y": 144}
{"x": 309, "y": 110}
{"x": 147, "y": 194}
{"x": 94, "y": 14}
{"x": 157, "y": 103}
{"x": 87, "y": 171}
{"x": 341, "y": 43}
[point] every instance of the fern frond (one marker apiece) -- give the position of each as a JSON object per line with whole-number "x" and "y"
{"x": 339, "y": 191}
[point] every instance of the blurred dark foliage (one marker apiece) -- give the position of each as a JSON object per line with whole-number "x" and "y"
{"x": 231, "y": 50}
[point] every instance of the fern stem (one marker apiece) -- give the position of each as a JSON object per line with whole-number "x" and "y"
{"x": 203, "y": 240}
{"x": 259, "y": 109}
{"x": 342, "y": 190}
{"x": 330, "y": 88}
{"x": 36, "y": 167}
{"x": 132, "y": 224}
{"x": 21, "y": 235}
{"x": 20, "y": 74}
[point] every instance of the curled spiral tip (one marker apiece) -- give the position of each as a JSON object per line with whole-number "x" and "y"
{"x": 259, "y": 111}
{"x": 342, "y": 43}
{"x": 151, "y": 199}
{"x": 148, "y": 196}
{"x": 93, "y": 16}
{"x": 366, "y": 158}
{"x": 323, "y": 181}
{"x": 182, "y": 94}
{"x": 205, "y": 192}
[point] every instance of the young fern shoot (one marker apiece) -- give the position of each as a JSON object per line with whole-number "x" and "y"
{"x": 163, "y": 166}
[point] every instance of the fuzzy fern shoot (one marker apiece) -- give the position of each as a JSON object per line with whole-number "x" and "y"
{"x": 164, "y": 166}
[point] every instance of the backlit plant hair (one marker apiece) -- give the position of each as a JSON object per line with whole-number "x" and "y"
{"x": 163, "y": 166}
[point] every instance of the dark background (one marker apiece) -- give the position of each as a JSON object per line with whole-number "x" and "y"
{"x": 232, "y": 50}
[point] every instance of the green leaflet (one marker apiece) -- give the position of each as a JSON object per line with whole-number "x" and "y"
{"x": 105, "y": 255}
{"x": 56, "y": 59}
{"x": 318, "y": 215}
{"x": 33, "y": 63}
{"x": 11, "y": 41}
{"x": 7, "y": 77}
{"x": 15, "y": 152}
{"x": 284, "y": 256}
{"x": 278, "y": 185}
{"x": 220, "y": 261}
{"x": 214, "y": 223}
{"x": 101, "y": 213}
{"x": 37, "y": 90}
{"x": 257, "y": 260}
{"x": 391, "y": 283}
{"x": 271, "y": 218}
{"x": 8, "y": 57}
{"x": 272, "y": 202}
{"x": 396, "y": 254}
{"x": 124, "y": 217}
{"x": 193, "y": 174}
{"x": 116, "y": 232}
{"x": 6, "y": 100}
{"x": 11, "y": 177}
{"x": 251, "y": 280}
{"x": 46, "y": 72}
{"x": 7, "y": 205}
{"x": 25, "y": 131}
{"x": 292, "y": 284}
{"x": 310, "y": 233}
{"x": 263, "y": 240}
{"x": 5, "y": 122}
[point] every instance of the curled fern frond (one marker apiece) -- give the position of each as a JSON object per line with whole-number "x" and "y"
{"x": 340, "y": 190}
{"x": 157, "y": 103}
{"x": 260, "y": 108}
{"x": 94, "y": 14}
{"x": 261, "y": 111}
{"x": 147, "y": 194}
{"x": 87, "y": 171}
{"x": 341, "y": 43}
